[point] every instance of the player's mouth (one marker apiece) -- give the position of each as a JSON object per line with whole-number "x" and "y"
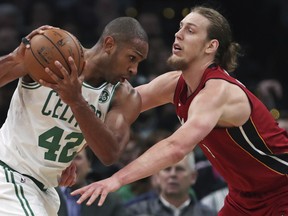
{"x": 176, "y": 48}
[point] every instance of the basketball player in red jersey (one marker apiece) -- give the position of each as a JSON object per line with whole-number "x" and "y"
{"x": 234, "y": 129}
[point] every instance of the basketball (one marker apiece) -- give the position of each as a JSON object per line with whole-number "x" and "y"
{"x": 45, "y": 49}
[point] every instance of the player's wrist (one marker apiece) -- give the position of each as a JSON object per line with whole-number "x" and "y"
{"x": 117, "y": 182}
{"x": 78, "y": 102}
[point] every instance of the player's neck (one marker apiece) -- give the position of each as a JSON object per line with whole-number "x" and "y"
{"x": 193, "y": 74}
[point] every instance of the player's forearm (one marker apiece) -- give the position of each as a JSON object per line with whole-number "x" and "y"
{"x": 99, "y": 138}
{"x": 7, "y": 64}
{"x": 10, "y": 69}
{"x": 161, "y": 155}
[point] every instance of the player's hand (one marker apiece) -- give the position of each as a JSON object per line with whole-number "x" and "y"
{"x": 19, "y": 52}
{"x": 97, "y": 189}
{"x": 68, "y": 176}
{"x": 40, "y": 30}
{"x": 69, "y": 88}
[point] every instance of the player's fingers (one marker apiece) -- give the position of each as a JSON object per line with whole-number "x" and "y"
{"x": 89, "y": 191}
{"x": 65, "y": 177}
{"x": 93, "y": 196}
{"x": 62, "y": 69}
{"x": 46, "y": 84}
{"x": 39, "y": 30}
{"x": 78, "y": 191}
{"x": 72, "y": 177}
{"x": 44, "y": 27}
{"x": 102, "y": 198}
{"x": 56, "y": 78}
{"x": 73, "y": 67}
{"x": 83, "y": 197}
{"x": 26, "y": 42}
{"x": 64, "y": 181}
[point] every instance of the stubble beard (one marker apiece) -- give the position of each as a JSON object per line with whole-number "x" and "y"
{"x": 177, "y": 63}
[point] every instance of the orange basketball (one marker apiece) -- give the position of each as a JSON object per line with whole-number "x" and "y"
{"x": 45, "y": 49}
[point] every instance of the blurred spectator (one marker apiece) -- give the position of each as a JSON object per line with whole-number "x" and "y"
{"x": 9, "y": 38}
{"x": 69, "y": 207}
{"x": 10, "y": 16}
{"x": 41, "y": 13}
{"x": 174, "y": 197}
{"x": 283, "y": 119}
{"x": 105, "y": 11}
{"x": 151, "y": 23}
{"x": 270, "y": 92}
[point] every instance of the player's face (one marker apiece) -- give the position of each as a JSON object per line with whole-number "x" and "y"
{"x": 126, "y": 59}
{"x": 190, "y": 41}
{"x": 176, "y": 180}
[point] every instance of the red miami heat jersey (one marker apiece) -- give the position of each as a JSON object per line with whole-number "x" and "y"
{"x": 252, "y": 158}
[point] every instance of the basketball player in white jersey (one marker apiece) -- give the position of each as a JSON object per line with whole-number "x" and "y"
{"x": 47, "y": 124}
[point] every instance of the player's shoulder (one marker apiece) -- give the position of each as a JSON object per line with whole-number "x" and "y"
{"x": 125, "y": 88}
{"x": 170, "y": 75}
{"x": 125, "y": 91}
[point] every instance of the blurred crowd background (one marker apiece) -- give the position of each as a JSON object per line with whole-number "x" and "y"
{"x": 260, "y": 26}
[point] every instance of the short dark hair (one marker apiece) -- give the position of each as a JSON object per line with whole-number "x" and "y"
{"x": 124, "y": 29}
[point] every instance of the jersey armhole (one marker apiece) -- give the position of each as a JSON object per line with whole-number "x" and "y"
{"x": 29, "y": 85}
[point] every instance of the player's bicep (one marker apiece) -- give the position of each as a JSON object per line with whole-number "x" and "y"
{"x": 158, "y": 91}
{"x": 207, "y": 107}
{"x": 123, "y": 113}
{"x": 125, "y": 109}
{"x": 119, "y": 126}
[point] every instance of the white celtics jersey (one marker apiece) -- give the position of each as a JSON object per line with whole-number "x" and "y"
{"x": 40, "y": 136}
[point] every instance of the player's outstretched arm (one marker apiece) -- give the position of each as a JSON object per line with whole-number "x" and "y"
{"x": 202, "y": 118}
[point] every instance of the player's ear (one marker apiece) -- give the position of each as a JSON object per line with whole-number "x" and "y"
{"x": 109, "y": 43}
{"x": 212, "y": 46}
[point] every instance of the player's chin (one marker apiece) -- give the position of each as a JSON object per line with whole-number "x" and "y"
{"x": 115, "y": 81}
{"x": 122, "y": 79}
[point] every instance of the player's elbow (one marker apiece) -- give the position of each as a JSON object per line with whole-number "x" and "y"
{"x": 112, "y": 151}
{"x": 178, "y": 154}
{"x": 113, "y": 155}
{"x": 107, "y": 161}
{"x": 110, "y": 158}
{"x": 178, "y": 150}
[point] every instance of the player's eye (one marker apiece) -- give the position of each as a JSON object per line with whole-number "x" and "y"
{"x": 132, "y": 58}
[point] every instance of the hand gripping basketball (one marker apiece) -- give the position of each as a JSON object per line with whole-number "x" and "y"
{"x": 54, "y": 44}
